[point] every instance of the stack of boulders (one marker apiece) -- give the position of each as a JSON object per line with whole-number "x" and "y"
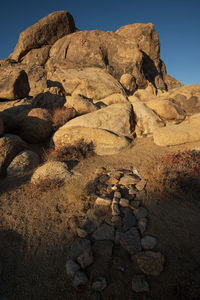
{"x": 117, "y": 220}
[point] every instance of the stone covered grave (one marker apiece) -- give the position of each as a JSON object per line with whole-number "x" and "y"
{"x": 111, "y": 238}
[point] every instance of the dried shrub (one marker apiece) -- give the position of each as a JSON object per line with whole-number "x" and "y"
{"x": 70, "y": 152}
{"x": 62, "y": 115}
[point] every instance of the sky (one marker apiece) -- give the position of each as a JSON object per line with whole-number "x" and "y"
{"x": 177, "y": 23}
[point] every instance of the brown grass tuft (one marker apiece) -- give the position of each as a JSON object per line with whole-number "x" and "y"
{"x": 62, "y": 115}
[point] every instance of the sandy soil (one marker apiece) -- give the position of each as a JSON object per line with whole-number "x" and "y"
{"x": 35, "y": 237}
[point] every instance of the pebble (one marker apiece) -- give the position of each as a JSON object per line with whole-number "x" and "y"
{"x": 130, "y": 241}
{"x": 117, "y": 194}
{"x": 139, "y": 284}
{"x": 103, "y": 201}
{"x": 142, "y": 225}
{"x": 85, "y": 259}
{"x": 100, "y": 284}
{"x": 141, "y": 185}
{"x": 72, "y": 267}
{"x": 80, "y": 278}
{"x": 124, "y": 202}
{"x": 148, "y": 242}
{"x": 104, "y": 232}
{"x": 149, "y": 262}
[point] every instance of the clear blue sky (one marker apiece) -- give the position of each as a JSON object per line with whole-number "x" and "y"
{"x": 177, "y": 24}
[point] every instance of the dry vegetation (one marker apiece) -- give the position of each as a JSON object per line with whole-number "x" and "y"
{"x": 61, "y": 115}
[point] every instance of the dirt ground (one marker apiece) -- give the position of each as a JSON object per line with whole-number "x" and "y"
{"x": 35, "y": 237}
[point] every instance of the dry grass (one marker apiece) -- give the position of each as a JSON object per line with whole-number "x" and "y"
{"x": 62, "y": 115}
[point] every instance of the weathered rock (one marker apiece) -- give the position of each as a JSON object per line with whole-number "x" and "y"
{"x": 37, "y": 79}
{"x": 92, "y": 83}
{"x": 124, "y": 202}
{"x": 142, "y": 225}
{"x": 104, "y": 232}
{"x": 141, "y": 185}
{"x": 151, "y": 263}
{"x": 127, "y": 180}
{"x": 128, "y": 82}
{"x": 48, "y": 100}
{"x": 130, "y": 241}
{"x": 171, "y": 82}
{"x": 139, "y": 284}
{"x": 14, "y": 83}
{"x": 37, "y": 56}
{"x": 45, "y": 32}
{"x": 85, "y": 259}
{"x": 166, "y": 109}
{"x": 100, "y": 284}
{"x": 51, "y": 171}
{"x": 117, "y": 194}
{"x": 176, "y": 135}
{"x": 112, "y": 99}
{"x": 36, "y": 127}
{"x": 103, "y": 201}
{"x": 104, "y": 142}
{"x": 147, "y": 121}
{"x": 103, "y": 248}
{"x": 10, "y": 146}
{"x": 82, "y": 105}
{"x": 23, "y": 163}
{"x": 72, "y": 267}
{"x": 80, "y": 279}
{"x": 148, "y": 242}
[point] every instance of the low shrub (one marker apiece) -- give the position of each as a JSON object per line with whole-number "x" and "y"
{"x": 62, "y": 115}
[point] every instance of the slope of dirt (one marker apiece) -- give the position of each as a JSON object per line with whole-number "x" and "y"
{"x": 35, "y": 236}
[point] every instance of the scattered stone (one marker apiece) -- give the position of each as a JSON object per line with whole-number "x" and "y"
{"x": 103, "y": 248}
{"x": 115, "y": 209}
{"x": 127, "y": 180}
{"x": 139, "y": 284}
{"x": 142, "y": 225}
{"x": 72, "y": 267}
{"x": 80, "y": 278}
{"x": 104, "y": 232}
{"x": 130, "y": 241}
{"x": 129, "y": 221}
{"x": 124, "y": 202}
{"x": 140, "y": 185}
{"x": 100, "y": 284}
{"x": 103, "y": 201}
{"x": 148, "y": 242}
{"x": 85, "y": 259}
{"x": 140, "y": 212}
{"x": 80, "y": 246}
{"x": 117, "y": 194}
{"x": 149, "y": 262}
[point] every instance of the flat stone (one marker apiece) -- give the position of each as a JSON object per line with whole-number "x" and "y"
{"x": 129, "y": 221}
{"x": 103, "y": 201}
{"x": 141, "y": 185}
{"x": 124, "y": 202}
{"x": 130, "y": 241}
{"x": 148, "y": 242}
{"x": 85, "y": 259}
{"x": 80, "y": 246}
{"x": 140, "y": 212}
{"x": 100, "y": 284}
{"x": 149, "y": 262}
{"x": 127, "y": 180}
{"x": 104, "y": 232}
{"x": 142, "y": 225}
{"x": 72, "y": 267}
{"x": 103, "y": 248}
{"x": 139, "y": 284}
{"x": 80, "y": 278}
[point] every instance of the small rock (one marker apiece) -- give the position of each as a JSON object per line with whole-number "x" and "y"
{"x": 139, "y": 284}
{"x": 140, "y": 212}
{"x": 85, "y": 259}
{"x": 72, "y": 267}
{"x": 116, "y": 174}
{"x": 103, "y": 201}
{"x": 117, "y": 194}
{"x": 104, "y": 232}
{"x": 80, "y": 278}
{"x": 141, "y": 185}
{"x": 132, "y": 190}
{"x": 115, "y": 209}
{"x": 80, "y": 246}
{"x": 103, "y": 248}
{"x": 112, "y": 181}
{"x": 149, "y": 262}
{"x": 127, "y": 180}
{"x": 142, "y": 225}
{"x": 116, "y": 200}
{"x": 100, "y": 284}
{"x": 135, "y": 204}
{"x": 130, "y": 241}
{"x": 116, "y": 219}
{"x": 124, "y": 202}
{"x": 148, "y": 242}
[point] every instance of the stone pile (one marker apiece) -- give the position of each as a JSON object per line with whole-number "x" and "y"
{"x": 113, "y": 234}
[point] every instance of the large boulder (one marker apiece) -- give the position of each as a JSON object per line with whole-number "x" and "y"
{"x": 48, "y": 100}
{"x": 10, "y": 146}
{"x": 37, "y": 56}
{"x": 23, "y": 163}
{"x": 45, "y": 32}
{"x": 82, "y": 105}
{"x": 112, "y": 99}
{"x": 90, "y": 82}
{"x": 51, "y": 171}
{"x": 104, "y": 142}
{"x": 146, "y": 120}
{"x": 176, "y": 134}
{"x": 98, "y": 49}
{"x": 36, "y": 127}
{"x": 117, "y": 118}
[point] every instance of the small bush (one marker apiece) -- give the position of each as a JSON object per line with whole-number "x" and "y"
{"x": 62, "y": 115}
{"x": 67, "y": 153}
